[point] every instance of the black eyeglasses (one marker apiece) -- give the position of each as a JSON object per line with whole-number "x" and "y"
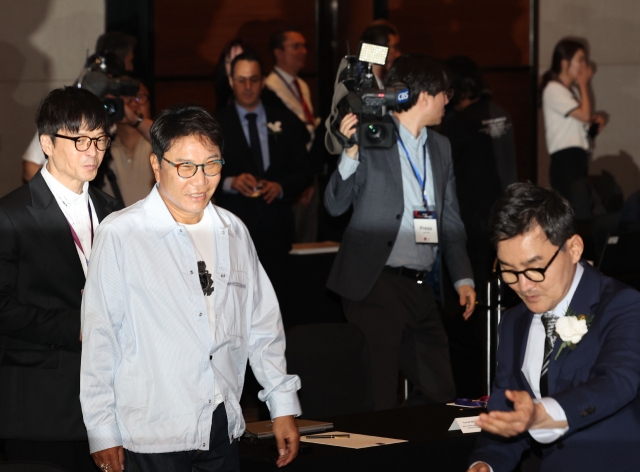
{"x": 84, "y": 142}
{"x": 535, "y": 275}
{"x": 188, "y": 169}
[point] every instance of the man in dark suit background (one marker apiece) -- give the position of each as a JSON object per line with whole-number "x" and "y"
{"x": 266, "y": 166}
{"x": 380, "y": 270}
{"x": 575, "y": 406}
{"x": 47, "y": 228}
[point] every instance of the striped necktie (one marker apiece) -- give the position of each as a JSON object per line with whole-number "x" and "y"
{"x": 549, "y": 322}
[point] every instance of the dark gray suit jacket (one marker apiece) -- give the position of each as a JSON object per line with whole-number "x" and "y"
{"x": 375, "y": 191}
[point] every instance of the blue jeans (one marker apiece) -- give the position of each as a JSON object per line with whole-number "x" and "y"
{"x": 222, "y": 456}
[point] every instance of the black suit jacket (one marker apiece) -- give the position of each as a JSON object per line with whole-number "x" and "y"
{"x": 41, "y": 282}
{"x": 270, "y": 225}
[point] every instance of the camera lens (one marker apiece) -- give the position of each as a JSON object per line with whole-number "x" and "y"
{"x": 376, "y": 134}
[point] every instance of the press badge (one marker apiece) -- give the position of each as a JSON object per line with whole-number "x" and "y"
{"x": 425, "y": 225}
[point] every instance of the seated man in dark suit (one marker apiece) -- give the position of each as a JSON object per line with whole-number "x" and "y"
{"x": 47, "y": 228}
{"x": 568, "y": 372}
{"x": 266, "y": 167}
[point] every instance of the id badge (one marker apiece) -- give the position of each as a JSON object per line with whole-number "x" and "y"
{"x": 425, "y": 225}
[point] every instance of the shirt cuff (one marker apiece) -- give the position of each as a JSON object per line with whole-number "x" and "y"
{"x": 104, "y": 437}
{"x": 283, "y": 406}
{"x": 347, "y": 166}
{"x": 461, "y": 282}
{"x": 481, "y": 462}
{"x": 555, "y": 411}
{"x": 226, "y": 185}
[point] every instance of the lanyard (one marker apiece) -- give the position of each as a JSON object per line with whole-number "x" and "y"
{"x": 76, "y": 239}
{"x": 293, "y": 92}
{"x": 416, "y": 172}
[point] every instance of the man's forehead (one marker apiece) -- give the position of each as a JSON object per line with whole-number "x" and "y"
{"x": 185, "y": 140}
{"x": 293, "y": 38}
{"x": 528, "y": 246}
{"x": 246, "y": 69}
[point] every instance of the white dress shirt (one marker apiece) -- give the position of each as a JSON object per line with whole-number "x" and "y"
{"x": 75, "y": 208}
{"x": 532, "y": 365}
{"x": 149, "y": 361}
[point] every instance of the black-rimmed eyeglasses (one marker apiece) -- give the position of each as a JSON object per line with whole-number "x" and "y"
{"x": 535, "y": 275}
{"x": 186, "y": 170}
{"x": 84, "y": 142}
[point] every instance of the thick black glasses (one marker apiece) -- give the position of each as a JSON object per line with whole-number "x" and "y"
{"x": 84, "y": 142}
{"x": 535, "y": 275}
{"x": 188, "y": 169}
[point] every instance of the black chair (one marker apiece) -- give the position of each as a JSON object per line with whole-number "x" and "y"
{"x": 21, "y": 466}
{"x": 332, "y": 360}
{"x": 621, "y": 258}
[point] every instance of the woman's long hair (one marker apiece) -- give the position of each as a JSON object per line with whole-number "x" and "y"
{"x": 565, "y": 49}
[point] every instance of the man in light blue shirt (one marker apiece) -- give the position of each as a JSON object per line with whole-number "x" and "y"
{"x": 402, "y": 197}
{"x": 175, "y": 303}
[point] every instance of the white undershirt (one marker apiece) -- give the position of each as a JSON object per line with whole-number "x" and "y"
{"x": 75, "y": 209}
{"x": 203, "y": 238}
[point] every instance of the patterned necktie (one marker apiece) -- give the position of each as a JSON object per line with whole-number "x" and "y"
{"x": 254, "y": 142}
{"x": 549, "y": 322}
{"x": 305, "y": 107}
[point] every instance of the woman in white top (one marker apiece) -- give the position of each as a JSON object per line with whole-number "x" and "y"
{"x": 568, "y": 119}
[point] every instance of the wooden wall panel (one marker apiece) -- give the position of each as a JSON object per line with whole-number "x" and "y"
{"x": 492, "y": 32}
{"x": 199, "y": 92}
{"x": 191, "y": 34}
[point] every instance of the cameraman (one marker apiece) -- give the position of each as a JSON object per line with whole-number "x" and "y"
{"x": 380, "y": 271}
{"x": 121, "y": 45}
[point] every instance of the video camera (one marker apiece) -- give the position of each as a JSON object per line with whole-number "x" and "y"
{"x": 357, "y": 92}
{"x": 103, "y": 76}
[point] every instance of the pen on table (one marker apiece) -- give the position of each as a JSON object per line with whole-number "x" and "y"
{"x": 328, "y": 436}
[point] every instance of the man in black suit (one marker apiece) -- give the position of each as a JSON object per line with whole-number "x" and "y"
{"x": 47, "y": 228}
{"x": 266, "y": 166}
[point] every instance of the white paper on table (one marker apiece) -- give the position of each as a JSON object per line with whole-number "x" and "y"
{"x": 463, "y": 406}
{"x": 354, "y": 441}
{"x": 466, "y": 425}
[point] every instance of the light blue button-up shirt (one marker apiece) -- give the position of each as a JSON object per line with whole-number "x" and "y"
{"x": 149, "y": 361}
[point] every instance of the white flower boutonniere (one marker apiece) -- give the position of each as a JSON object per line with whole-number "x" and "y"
{"x": 275, "y": 128}
{"x": 571, "y": 328}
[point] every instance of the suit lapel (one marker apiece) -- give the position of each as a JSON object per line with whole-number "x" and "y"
{"x": 101, "y": 205}
{"x": 521, "y": 338}
{"x": 273, "y": 154}
{"x": 49, "y": 216}
{"x": 584, "y": 299}
{"x": 240, "y": 140}
{"x": 437, "y": 171}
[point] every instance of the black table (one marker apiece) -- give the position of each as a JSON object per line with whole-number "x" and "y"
{"x": 431, "y": 446}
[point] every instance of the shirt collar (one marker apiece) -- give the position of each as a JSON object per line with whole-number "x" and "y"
{"x": 285, "y": 75}
{"x": 162, "y": 220}
{"x": 409, "y": 139}
{"x": 242, "y": 113}
{"x": 561, "y": 308}
{"x": 64, "y": 195}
